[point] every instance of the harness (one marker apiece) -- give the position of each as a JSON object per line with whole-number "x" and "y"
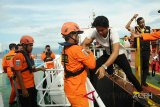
{"x": 64, "y": 60}
{"x": 30, "y": 62}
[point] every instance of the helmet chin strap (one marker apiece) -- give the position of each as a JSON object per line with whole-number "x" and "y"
{"x": 76, "y": 42}
{"x": 25, "y": 48}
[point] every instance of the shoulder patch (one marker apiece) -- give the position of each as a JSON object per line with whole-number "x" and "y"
{"x": 9, "y": 57}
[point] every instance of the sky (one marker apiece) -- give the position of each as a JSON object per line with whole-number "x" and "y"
{"x": 42, "y": 19}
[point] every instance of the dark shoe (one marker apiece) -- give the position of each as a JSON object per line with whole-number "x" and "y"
{"x": 145, "y": 84}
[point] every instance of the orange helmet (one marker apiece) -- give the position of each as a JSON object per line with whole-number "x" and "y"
{"x": 69, "y": 27}
{"x": 26, "y": 39}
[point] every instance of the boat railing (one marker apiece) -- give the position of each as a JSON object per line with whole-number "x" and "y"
{"x": 54, "y": 92}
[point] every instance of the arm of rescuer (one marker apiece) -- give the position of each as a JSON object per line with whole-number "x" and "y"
{"x": 43, "y": 56}
{"x": 111, "y": 59}
{"x": 147, "y": 36}
{"x": 40, "y": 69}
{"x": 85, "y": 56}
{"x": 53, "y": 55}
{"x": 4, "y": 64}
{"x": 9, "y": 72}
{"x": 21, "y": 83}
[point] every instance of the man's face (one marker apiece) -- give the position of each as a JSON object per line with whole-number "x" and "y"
{"x": 125, "y": 38}
{"x": 47, "y": 49}
{"x": 141, "y": 23}
{"x": 103, "y": 31}
{"x": 20, "y": 48}
{"x": 76, "y": 37}
{"x": 29, "y": 48}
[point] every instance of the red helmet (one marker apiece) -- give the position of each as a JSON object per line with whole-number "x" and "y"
{"x": 69, "y": 27}
{"x": 26, "y": 39}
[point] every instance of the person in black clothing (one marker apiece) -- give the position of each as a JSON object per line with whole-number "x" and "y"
{"x": 114, "y": 53}
{"x": 145, "y": 45}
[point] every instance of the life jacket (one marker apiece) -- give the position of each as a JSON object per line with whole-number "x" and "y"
{"x": 145, "y": 45}
{"x": 64, "y": 60}
{"x": 48, "y": 56}
{"x": 29, "y": 60}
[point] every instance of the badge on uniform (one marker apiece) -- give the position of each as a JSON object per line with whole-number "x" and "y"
{"x": 17, "y": 62}
{"x": 65, "y": 58}
{"x": 9, "y": 57}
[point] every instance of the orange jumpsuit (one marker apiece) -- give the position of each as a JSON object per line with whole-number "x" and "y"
{"x": 6, "y": 65}
{"x": 48, "y": 59}
{"x": 75, "y": 87}
{"x": 151, "y": 36}
{"x": 20, "y": 65}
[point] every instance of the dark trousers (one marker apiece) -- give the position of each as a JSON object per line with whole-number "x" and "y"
{"x": 31, "y": 100}
{"x": 122, "y": 62}
{"x": 145, "y": 65}
{"x": 45, "y": 81}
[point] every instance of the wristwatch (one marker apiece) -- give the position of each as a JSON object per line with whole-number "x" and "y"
{"x": 104, "y": 66}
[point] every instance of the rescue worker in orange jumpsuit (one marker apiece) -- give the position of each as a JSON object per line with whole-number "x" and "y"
{"x": 23, "y": 66}
{"x": 48, "y": 56}
{"x": 75, "y": 60}
{"x": 7, "y": 68}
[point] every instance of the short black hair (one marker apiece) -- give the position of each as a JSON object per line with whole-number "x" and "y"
{"x": 16, "y": 47}
{"x": 47, "y": 46}
{"x": 101, "y": 21}
{"x": 138, "y": 20}
{"x": 12, "y": 45}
